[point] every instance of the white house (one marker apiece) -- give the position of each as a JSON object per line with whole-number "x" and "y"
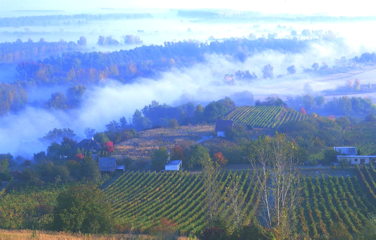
{"x": 221, "y": 126}
{"x": 174, "y": 165}
{"x": 357, "y": 159}
{"x": 349, "y": 154}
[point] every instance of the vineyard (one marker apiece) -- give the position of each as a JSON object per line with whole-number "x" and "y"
{"x": 332, "y": 203}
{"x": 263, "y": 116}
{"x": 142, "y": 199}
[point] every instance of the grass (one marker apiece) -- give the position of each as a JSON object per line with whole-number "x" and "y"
{"x": 44, "y": 235}
{"x": 150, "y": 140}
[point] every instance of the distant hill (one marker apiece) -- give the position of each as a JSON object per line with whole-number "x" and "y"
{"x": 263, "y": 116}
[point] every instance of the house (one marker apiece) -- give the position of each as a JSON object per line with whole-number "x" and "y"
{"x": 174, "y": 165}
{"x": 107, "y": 164}
{"x": 222, "y": 125}
{"x": 357, "y": 159}
{"x": 89, "y": 145}
{"x": 349, "y": 154}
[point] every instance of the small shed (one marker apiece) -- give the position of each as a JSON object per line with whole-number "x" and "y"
{"x": 174, "y": 165}
{"x": 222, "y": 125}
{"x": 357, "y": 159}
{"x": 107, "y": 164}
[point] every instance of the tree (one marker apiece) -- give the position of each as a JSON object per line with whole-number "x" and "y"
{"x": 357, "y": 85}
{"x": 280, "y": 198}
{"x": 177, "y": 153}
{"x": 101, "y": 137}
{"x": 219, "y": 159}
{"x": 291, "y": 69}
{"x": 113, "y": 126}
{"x": 159, "y": 158}
{"x": 315, "y": 66}
{"x": 308, "y": 101}
{"x": 89, "y": 132}
{"x": 57, "y": 101}
{"x": 82, "y": 41}
{"x": 319, "y": 100}
{"x": 123, "y": 123}
{"x": 89, "y": 170}
{"x": 267, "y": 71}
{"x": 330, "y": 155}
{"x": 78, "y": 156}
{"x": 303, "y": 111}
{"x": 173, "y": 123}
{"x": 108, "y": 146}
{"x": 198, "y": 155}
{"x": 74, "y": 95}
{"x": 83, "y": 208}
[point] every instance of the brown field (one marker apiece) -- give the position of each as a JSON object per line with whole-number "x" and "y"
{"x": 149, "y": 140}
{"x": 42, "y": 235}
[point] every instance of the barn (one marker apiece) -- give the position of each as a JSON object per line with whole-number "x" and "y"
{"x": 107, "y": 164}
{"x": 174, "y": 165}
{"x": 357, "y": 159}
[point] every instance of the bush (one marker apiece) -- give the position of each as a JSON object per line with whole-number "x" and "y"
{"x": 172, "y": 123}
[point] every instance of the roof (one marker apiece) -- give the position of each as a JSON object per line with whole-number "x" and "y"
{"x": 223, "y": 125}
{"x": 174, "y": 162}
{"x": 89, "y": 144}
{"x": 346, "y": 150}
{"x": 107, "y": 164}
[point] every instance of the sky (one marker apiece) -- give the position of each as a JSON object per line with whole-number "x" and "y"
{"x": 331, "y": 7}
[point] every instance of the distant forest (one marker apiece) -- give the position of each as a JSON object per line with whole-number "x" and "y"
{"x": 66, "y": 19}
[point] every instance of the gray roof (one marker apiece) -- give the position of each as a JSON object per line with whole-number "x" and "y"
{"x": 89, "y": 144}
{"x": 174, "y": 163}
{"x": 107, "y": 164}
{"x": 346, "y": 150}
{"x": 222, "y": 125}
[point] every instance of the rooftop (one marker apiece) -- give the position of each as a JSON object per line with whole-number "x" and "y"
{"x": 222, "y": 125}
{"x": 174, "y": 162}
{"x": 346, "y": 150}
{"x": 107, "y": 164}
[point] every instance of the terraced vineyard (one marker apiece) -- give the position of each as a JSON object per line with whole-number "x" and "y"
{"x": 263, "y": 116}
{"x": 142, "y": 199}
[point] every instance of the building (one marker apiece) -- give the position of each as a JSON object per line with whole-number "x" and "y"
{"x": 221, "y": 126}
{"x": 357, "y": 159}
{"x": 349, "y": 154}
{"x": 107, "y": 164}
{"x": 89, "y": 145}
{"x": 174, "y": 165}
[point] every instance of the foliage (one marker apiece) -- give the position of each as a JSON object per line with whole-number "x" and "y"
{"x": 82, "y": 208}
{"x": 198, "y": 155}
{"x": 108, "y": 146}
{"x": 159, "y": 158}
{"x": 173, "y": 123}
{"x": 219, "y": 159}
{"x": 57, "y": 135}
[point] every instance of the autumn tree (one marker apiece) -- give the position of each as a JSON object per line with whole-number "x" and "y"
{"x": 173, "y": 123}
{"x": 108, "y": 146}
{"x": 357, "y": 85}
{"x": 177, "y": 153}
{"x": 57, "y": 101}
{"x": 303, "y": 111}
{"x": 220, "y": 159}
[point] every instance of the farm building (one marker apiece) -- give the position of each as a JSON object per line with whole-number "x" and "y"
{"x": 349, "y": 154}
{"x": 107, "y": 164}
{"x": 89, "y": 145}
{"x": 357, "y": 159}
{"x": 222, "y": 125}
{"x": 174, "y": 165}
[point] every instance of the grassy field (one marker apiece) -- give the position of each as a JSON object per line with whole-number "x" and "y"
{"x": 42, "y": 235}
{"x": 150, "y": 140}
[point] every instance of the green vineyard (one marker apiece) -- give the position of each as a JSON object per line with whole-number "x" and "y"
{"x": 263, "y": 116}
{"x": 142, "y": 199}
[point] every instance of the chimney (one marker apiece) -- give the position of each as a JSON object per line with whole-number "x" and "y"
{"x": 92, "y": 138}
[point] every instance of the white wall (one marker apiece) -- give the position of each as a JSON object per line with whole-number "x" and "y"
{"x": 221, "y": 134}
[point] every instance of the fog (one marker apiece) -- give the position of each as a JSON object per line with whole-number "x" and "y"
{"x": 200, "y": 83}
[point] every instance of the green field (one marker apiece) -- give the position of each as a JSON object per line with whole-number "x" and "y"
{"x": 142, "y": 199}
{"x": 263, "y": 116}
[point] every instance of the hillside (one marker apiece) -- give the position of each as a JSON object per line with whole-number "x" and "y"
{"x": 362, "y": 136}
{"x": 141, "y": 199}
{"x": 263, "y": 116}
{"x": 149, "y": 140}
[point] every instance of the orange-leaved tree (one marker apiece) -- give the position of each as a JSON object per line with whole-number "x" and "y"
{"x": 220, "y": 159}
